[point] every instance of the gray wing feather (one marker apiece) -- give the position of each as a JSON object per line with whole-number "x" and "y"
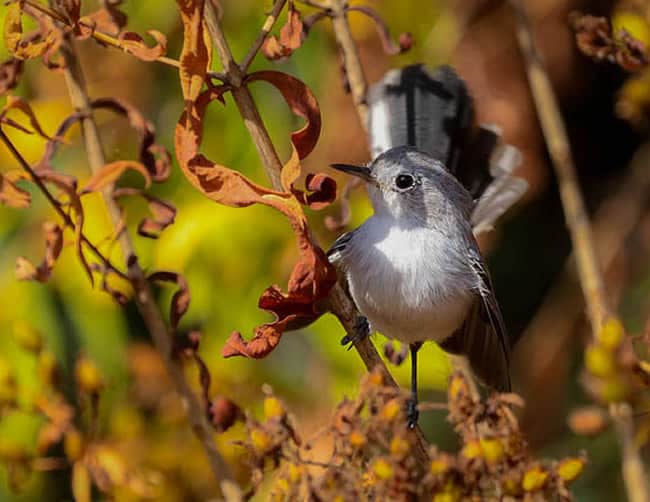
{"x": 483, "y": 338}
{"x": 335, "y": 253}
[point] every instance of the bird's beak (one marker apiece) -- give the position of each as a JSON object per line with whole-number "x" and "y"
{"x": 359, "y": 171}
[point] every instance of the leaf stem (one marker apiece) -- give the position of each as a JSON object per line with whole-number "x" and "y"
{"x": 259, "y": 41}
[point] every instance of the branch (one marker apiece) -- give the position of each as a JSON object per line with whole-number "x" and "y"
{"x": 259, "y": 41}
{"x": 341, "y": 305}
{"x": 144, "y": 298}
{"x": 577, "y": 220}
{"x": 56, "y": 204}
{"x": 351, "y": 61}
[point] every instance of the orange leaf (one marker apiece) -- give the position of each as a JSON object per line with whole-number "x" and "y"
{"x": 134, "y": 44}
{"x": 30, "y": 46}
{"x": 195, "y": 56}
{"x": 17, "y": 103}
{"x": 111, "y": 172}
{"x": 12, "y": 195}
{"x": 291, "y": 37}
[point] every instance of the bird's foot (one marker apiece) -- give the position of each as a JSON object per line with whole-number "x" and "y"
{"x": 412, "y": 413}
{"x": 361, "y": 331}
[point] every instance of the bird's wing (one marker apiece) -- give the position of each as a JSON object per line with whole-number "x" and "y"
{"x": 335, "y": 253}
{"x": 482, "y": 338}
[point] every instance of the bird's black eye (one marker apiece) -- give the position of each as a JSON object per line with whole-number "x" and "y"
{"x": 404, "y": 181}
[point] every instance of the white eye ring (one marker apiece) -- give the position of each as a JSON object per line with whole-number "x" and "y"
{"x": 404, "y": 181}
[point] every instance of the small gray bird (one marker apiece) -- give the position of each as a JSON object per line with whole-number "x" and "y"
{"x": 414, "y": 269}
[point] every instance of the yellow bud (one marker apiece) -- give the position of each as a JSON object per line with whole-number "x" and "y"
{"x": 391, "y": 409}
{"x": 492, "y": 449}
{"x": 294, "y": 472}
{"x": 73, "y": 445}
{"x": 439, "y": 466}
{"x": 633, "y": 23}
{"x": 599, "y": 361}
{"x": 260, "y": 440}
{"x": 273, "y": 408}
{"x": 534, "y": 479}
{"x": 375, "y": 378}
{"x": 27, "y": 337}
{"x": 613, "y": 390}
{"x": 472, "y": 450}
{"x": 282, "y": 485}
{"x": 382, "y": 469}
{"x": 512, "y": 486}
{"x": 88, "y": 376}
{"x": 399, "y": 447}
{"x": 47, "y": 368}
{"x": 446, "y": 497}
{"x": 338, "y": 498}
{"x": 357, "y": 439}
{"x": 611, "y": 334}
{"x": 458, "y": 387}
{"x": 570, "y": 468}
{"x": 12, "y": 451}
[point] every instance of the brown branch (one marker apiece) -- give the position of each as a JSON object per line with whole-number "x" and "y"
{"x": 351, "y": 61}
{"x": 259, "y": 41}
{"x": 144, "y": 297}
{"x": 67, "y": 220}
{"x": 577, "y": 221}
{"x": 341, "y": 305}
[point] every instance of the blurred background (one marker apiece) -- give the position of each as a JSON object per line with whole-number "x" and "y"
{"x": 229, "y": 256}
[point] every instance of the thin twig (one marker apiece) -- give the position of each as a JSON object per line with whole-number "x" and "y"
{"x": 579, "y": 226}
{"x": 144, "y": 298}
{"x": 351, "y": 61}
{"x": 67, "y": 220}
{"x": 259, "y": 41}
{"x": 341, "y": 305}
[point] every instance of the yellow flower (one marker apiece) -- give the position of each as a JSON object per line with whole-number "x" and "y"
{"x": 534, "y": 479}
{"x": 382, "y": 469}
{"x": 570, "y": 468}
{"x": 273, "y": 408}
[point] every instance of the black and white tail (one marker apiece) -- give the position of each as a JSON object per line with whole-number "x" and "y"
{"x": 434, "y": 113}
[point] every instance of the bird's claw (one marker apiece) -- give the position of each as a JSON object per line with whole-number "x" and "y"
{"x": 361, "y": 331}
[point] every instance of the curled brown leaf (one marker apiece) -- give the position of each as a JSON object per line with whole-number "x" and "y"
{"x": 135, "y": 45}
{"x": 10, "y": 72}
{"x": 19, "y": 104}
{"x": 196, "y": 52}
{"x": 153, "y": 155}
{"x": 180, "y": 300}
{"x": 25, "y": 47}
{"x": 111, "y": 172}
{"x": 12, "y": 195}
{"x": 25, "y": 271}
{"x": 291, "y": 37}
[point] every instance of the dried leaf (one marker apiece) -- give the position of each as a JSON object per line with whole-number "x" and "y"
{"x": 153, "y": 155}
{"x": 25, "y": 271}
{"x": 68, "y": 185}
{"x": 134, "y": 44}
{"x": 111, "y": 172}
{"x": 291, "y": 37}
{"x": 10, "y": 72}
{"x": 70, "y": 8}
{"x": 17, "y": 103}
{"x": 12, "y": 195}
{"x": 313, "y": 276}
{"x": 181, "y": 299}
{"x": 196, "y": 53}
{"x": 164, "y": 214}
{"x": 31, "y": 46}
{"x": 405, "y": 41}
{"x": 109, "y": 19}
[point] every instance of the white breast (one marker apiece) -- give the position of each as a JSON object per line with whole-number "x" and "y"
{"x": 407, "y": 282}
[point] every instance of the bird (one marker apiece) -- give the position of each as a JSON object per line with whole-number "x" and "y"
{"x": 414, "y": 268}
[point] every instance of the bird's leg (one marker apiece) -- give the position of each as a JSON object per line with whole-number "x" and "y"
{"x": 361, "y": 330}
{"x": 412, "y": 413}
